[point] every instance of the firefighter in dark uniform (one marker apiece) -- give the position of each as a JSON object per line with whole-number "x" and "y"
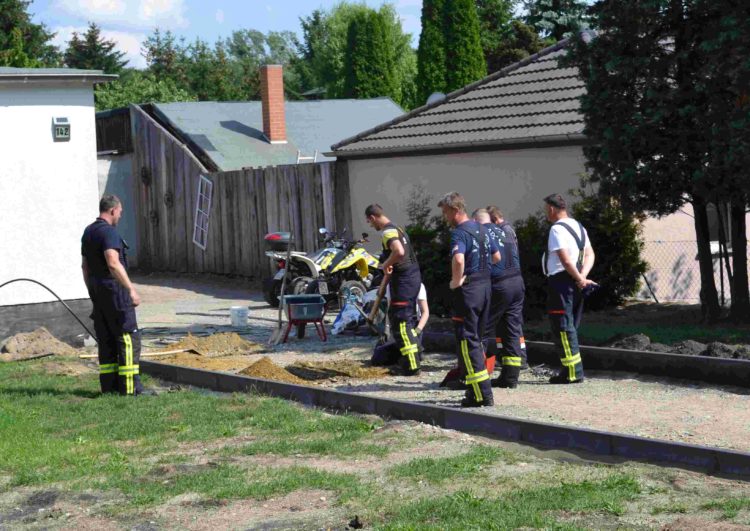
{"x": 504, "y": 332}
{"x": 472, "y": 254}
{"x": 399, "y": 260}
{"x": 114, "y": 299}
{"x": 567, "y": 263}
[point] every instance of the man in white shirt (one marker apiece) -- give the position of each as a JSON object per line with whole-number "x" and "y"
{"x": 567, "y": 263}
{"x": 388, "y": 353}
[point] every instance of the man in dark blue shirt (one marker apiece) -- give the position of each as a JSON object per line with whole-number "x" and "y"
{"x": 472, "y": 253}
{"x": 114, "y": 298}
{"x": 505, "y": 325}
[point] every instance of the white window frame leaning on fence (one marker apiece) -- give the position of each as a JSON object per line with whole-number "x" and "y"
{"x": 202, "y": 211}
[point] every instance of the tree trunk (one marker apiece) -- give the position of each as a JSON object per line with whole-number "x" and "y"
{"x": 710, "y": 308}
{"x": 740, "y": 297}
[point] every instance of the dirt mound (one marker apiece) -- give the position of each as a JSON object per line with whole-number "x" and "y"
{"x": 36, "y": 344}
{"x": 689, "y": 347}
{"x": 196, "y": 361}
{"x": 265, "y": 368}
{"x": 323, "y": 370}
{"x": 216, "y": 345}
{"x": 633, "y": 342}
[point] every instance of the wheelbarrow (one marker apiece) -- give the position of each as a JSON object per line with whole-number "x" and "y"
{"x": 304, "y": 309}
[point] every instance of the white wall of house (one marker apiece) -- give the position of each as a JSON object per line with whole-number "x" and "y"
{"x": 514, "y": 180}
{"x": 48, "y": 189}
{"x": 116, "y": 177}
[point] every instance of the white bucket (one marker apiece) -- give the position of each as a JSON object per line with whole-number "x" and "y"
{"x": 238, "y": 314}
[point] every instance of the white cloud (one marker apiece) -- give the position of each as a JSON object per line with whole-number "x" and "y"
{"x": 130, "y": 43}
{"x": 163, "y": 12}
{"x": 220, "y": 16}
{"x": 92, "y": 8}
{"x": 128, "y": 14}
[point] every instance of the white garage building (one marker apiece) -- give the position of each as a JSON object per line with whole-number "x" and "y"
{"x": 49, "y": 190}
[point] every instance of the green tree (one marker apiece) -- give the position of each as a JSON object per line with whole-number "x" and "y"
{"x": 94, "y": 52}
{"x": 464, "y": 59}
{"x": 723, "y": 78}
{"x": 136, "y": 87}
{"x": 369, "y": 63}
{"x": 15, "y": 55}
{"x": 249, "y": 49}
{"x": 660, "y": 136}
{"x": 325, "y": 44}
{"x": 35, "y": 49}
{"x": 557, "y": 19}
{"x": 166, "y": 57}
{"x": 522, "y": 42}
{"x": 431, "y": 51}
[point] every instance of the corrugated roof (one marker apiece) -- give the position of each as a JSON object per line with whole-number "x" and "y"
{"x": 231, "y": 133}
{"x": 534, "y": 100}
{"x": 9, "y": 73}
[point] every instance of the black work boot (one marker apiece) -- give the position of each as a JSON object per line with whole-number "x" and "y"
{"x": 562, "y": 378}
{"x": 508, "y": 378}
{"x": 405, "y": 369}
{"x": 470, "y": 400}
{"x": 503, "y": 383}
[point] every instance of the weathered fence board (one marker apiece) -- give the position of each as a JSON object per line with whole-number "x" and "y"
{"x": 247, "y": 204}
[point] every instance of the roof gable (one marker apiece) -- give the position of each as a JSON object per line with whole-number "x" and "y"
{"x": 532, "y": 101}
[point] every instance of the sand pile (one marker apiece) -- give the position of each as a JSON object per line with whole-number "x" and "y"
{"x": 36, "y": 344}
{"x": 324, "y": 370}
{"x": 265, "y": 368}
{"x": 196, "y": 361}
{"x": 216, "y": 345}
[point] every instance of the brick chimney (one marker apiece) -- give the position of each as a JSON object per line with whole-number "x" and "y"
{"x": 272, "y": 99}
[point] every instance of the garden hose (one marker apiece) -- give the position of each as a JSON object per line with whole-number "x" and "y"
{"x": 56, "y": 296}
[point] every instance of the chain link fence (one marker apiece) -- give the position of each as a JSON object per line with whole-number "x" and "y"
{"x": 674, "y": 274}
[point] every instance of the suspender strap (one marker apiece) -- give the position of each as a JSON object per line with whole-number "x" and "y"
{"x": 580, "y": 242}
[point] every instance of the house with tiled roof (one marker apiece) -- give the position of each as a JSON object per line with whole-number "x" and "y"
{"x": 509, "y": 139}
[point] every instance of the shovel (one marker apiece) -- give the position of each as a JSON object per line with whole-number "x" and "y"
{"x": 279, "y": 332}
{"x": 382, "y": 339}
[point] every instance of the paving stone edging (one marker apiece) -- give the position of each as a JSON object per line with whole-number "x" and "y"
{"x": 703, "y": 458}
{"x": 722, "y": 371}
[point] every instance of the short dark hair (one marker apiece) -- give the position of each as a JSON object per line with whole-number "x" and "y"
{"x": 453, "y": 200}
{"x": 495, "y": 213}
{"x": 108, "y": 202}
{"x": 374, "y": 210}
{"x": 557, "y": 201}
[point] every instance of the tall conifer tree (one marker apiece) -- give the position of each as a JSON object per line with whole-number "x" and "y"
{"x": 431, "y": 51}
{"x": 464, "y": 62}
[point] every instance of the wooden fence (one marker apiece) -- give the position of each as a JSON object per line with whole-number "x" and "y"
{"x": 246, "y": 205}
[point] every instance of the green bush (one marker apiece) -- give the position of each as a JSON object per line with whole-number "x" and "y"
{"x": 616, "y": 237}
{"x": 430, "y": 237}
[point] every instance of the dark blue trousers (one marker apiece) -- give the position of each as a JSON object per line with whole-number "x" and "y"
{"x": 565, "y": 309}
{"x": 472, "y": 307}
{"x": 118, "y": 336}
{"x": 403, "y": 316}
{"x": 504, "y": 333}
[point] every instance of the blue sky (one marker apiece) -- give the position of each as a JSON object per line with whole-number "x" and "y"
{"x": 128, "y": 22}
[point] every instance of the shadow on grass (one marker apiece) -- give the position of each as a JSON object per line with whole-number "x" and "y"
{"x": 40, "y": 391}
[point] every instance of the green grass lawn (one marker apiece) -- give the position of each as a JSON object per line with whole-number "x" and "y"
{"x": 56, "y": 432}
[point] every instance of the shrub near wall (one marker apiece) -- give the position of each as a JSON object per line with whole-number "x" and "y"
{"x": 616, "y": 237}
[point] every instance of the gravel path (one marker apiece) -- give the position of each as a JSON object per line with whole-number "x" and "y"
{"x": 674, "y": 410}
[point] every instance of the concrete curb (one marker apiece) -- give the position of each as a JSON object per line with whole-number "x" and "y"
{"x": 706, "y": 459}
{"x": 702, "y": 368}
